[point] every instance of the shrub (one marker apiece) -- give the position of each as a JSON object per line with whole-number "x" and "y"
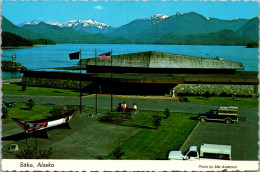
{"x": 223, "y": 94}
{"x": 58, "y": 111}
{"x": 23, "y": 87}
{"x": 100, "y": 157}
{"x": 166, "y": 113}
{"x": 115, "y": 116}
{"x": 105, "y": 118}
{"x": 30, "y": 104}
{"x": 156, "y": 121}
{"x": 184, "y": 99}
{"x": 4, "y": 112}
{"x": 117, "y": 153}
{"x": 67, "y": 83}
{"x": 30, "y": 153}
{"x": 207, "y": 95}
{"x": 45, "y": 154}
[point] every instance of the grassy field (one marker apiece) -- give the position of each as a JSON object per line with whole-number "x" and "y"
{"x": 156, "y": 144}
{"x": 17, "y": 90}
{"x": 20, "y": 111}
{"x": 225, "y": 101}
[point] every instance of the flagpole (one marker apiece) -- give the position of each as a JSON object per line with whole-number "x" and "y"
{"x": 111, "y": 82}
{"x": 96, "y": 76}
{"x": 80, "y": 94}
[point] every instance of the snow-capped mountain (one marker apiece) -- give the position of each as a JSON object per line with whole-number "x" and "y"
{"x": 34, "y": 22}
{"x": 90, "y": 26}
{"x": 137, "y": 26}
{"x": 178, "y": 14}
{"x": 86, "y": 23}
{"x": 54, "y": 23}
{"x": 157, "y": 18}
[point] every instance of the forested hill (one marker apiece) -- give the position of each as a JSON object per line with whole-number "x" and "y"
{"x": 225, "y": 37}
{"x": 12, "y": 40}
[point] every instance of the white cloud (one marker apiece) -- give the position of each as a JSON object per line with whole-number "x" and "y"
{"x": 98, "y": 7}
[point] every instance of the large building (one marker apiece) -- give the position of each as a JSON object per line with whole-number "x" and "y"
{"x": 144, "y": 73}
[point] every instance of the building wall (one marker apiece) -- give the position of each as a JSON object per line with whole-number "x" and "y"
{"x": 218, "y": 90}
{"x": 180, "y": 89}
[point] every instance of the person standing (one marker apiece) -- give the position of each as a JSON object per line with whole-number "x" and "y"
{"x": 124, "y": 106}
{"x": 134, "y": 106}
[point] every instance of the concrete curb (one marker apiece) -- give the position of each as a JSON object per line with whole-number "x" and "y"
{"x": 190, "y": 136}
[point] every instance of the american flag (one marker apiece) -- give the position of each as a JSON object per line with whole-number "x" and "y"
{"x": 105, "y": 56}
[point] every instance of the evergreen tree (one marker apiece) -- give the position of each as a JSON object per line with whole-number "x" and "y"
{"x": 156, "y": 121}
{"x": 30, "y": 104}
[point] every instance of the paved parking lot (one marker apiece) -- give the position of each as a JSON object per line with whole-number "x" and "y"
{"x": 242, "y": 136}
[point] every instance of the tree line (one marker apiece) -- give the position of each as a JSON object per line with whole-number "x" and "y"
{"x": 9, "y": 39}
{"x": 13, "y": 40}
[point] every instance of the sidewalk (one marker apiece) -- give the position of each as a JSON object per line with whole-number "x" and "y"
{"x": 104, "y": 102}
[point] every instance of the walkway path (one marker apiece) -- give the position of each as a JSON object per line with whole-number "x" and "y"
{"x": 104, "y": 102}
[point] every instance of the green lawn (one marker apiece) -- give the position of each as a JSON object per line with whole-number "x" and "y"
{"x": 225, "y": 101}
{"x": 20, "y": 111}
{"x": 143, "y": 119}
{"x": 17, "y": 90}
{"x": 149, "y": 144}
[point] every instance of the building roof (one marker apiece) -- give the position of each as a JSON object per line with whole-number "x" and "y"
{"x": 152, "y": 59}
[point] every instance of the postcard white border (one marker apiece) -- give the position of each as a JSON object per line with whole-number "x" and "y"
{"x": 129, "y": 165}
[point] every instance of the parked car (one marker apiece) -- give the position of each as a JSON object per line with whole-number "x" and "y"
{"x": 222, "y": 113}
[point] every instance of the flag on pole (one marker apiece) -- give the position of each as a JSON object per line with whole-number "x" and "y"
{"x": 74, "y": 55}
{"x": 105, "y": 56}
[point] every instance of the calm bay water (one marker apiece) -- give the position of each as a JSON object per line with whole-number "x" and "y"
{"x": 45, "y": 57}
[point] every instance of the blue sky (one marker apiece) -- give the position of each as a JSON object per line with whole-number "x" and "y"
{"x": 117, "y": 13}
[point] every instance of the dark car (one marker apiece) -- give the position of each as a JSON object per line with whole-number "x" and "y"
{"x": 8, "y": 103}
{"x": 223, "y": 113}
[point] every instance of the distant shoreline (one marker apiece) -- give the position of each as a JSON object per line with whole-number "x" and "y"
{"x": 19, "y": 47}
